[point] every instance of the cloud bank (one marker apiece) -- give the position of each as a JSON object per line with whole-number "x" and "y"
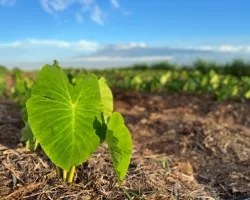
{"x": 33, "y": 53}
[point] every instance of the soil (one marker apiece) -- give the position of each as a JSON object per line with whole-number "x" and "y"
{"x": 184, "y": 147}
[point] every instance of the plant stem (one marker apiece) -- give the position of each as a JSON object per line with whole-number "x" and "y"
{"x": 36, "y": 143}
{"x": 59, "y": 171}
{"x": 66, "y": 175}
{"x": 70, "y": 174}
{"x": 32, "y": 144}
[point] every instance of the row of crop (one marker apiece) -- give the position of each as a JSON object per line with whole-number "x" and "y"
{"x": 219, "y": 86}
{"x": 171, "y": 81}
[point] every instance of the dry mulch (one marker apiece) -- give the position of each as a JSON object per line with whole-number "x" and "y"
{"x": 184, "y": 147}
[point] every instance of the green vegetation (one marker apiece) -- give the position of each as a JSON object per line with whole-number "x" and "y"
{"x": 229, "y": 81}
{"x": 3, "y": 73}
{"x": 71, "y": 120}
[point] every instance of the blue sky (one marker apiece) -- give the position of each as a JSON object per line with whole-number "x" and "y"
{"x": 118, "y": 32}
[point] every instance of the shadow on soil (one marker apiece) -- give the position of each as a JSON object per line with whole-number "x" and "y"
{"x": 10, "y": 125}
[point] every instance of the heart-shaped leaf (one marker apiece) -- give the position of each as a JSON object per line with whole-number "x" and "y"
{"x": 62, "y": 116}
{"x": 120, "y": 144}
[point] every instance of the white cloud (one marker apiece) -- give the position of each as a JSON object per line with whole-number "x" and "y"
{"x": 51, "y": 6}
{"x": 129, "y": 45}
{"x": 121, "y": 59}
{"x": 93, "y": 45}
{"x": 7, "y": 2}
{"x": 86, "y": 5}
{"x": 12, "y": 44}
{"x": 248, "y": 49}
{"x": 206, "y": 48}
{"x": 97, "y": 15}
{"x": 95, "y": 12}
{"x": 56, "y": 43}
{"x": 221, "y": 48}
{"x": 45, "y": 5}
{"x": 115, "y": 3}
{"x": 92, "y": 53}
{"x": 230, "y": 48}
{"x": 82, "y": 45}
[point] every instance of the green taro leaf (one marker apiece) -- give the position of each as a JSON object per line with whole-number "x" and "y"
{"x": 28, "y": 137}
{"x": 26, "y": 133}
{"x": 120, "y": 144}
{"x": 62, "y": 116}
{"x": 106, "y": 98}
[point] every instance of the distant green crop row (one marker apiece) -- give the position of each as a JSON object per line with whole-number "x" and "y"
{"x": 204, "y": 79}
{"x": 221, "y": 87}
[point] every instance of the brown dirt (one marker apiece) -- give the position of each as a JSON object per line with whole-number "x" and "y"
{"x": 185, "y": 147}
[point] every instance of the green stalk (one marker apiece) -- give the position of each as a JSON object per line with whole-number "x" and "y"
{"x": 66, "y": 175}
{"x": 59, "y": 171}
{"x": 32, "y": 144}
{"x": 70, "y": 174}
{"x": 36, "y": 143}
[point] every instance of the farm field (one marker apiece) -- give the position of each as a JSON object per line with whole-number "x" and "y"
{"x": 190, "y": 132}
{"x": 124, "y": 100}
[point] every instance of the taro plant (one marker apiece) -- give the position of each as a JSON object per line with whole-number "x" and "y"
{"x": 71, "y": 120}
{"x": 27, "y": 135}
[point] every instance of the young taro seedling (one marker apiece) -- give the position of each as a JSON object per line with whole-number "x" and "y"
{"x": 70, "y": 121}
{"x": 27, "y": 135}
